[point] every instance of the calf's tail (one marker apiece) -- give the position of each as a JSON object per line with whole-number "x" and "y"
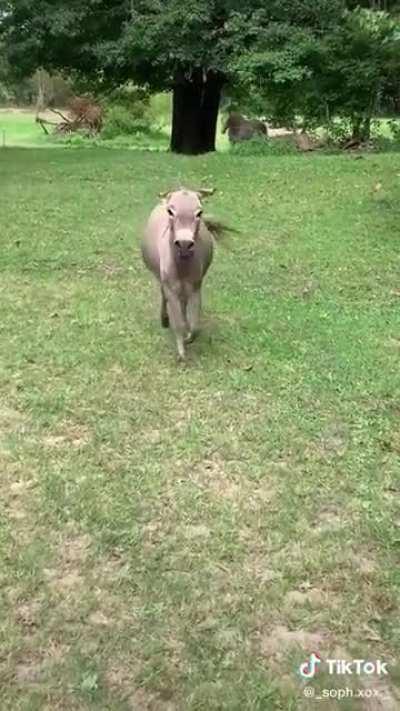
{"x": 217, "y": 228}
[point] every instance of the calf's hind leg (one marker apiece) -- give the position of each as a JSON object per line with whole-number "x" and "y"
{"x": 164, "y": 311}
{"x": 193, "y": 311}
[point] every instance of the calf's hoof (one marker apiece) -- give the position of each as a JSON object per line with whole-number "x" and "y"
{"x": 191, "y": 337}
{"x": 164, "y": 321}
{"x": 181, "y": 355}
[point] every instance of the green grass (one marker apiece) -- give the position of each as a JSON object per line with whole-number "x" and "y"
{"x": 18, "y": 128}
{"x": 182, "y": 538}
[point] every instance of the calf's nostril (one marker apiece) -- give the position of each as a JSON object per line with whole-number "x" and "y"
{"x": 184, "y": 246}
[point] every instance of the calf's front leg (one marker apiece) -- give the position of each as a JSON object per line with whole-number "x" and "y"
{"x": 177, "y": 320}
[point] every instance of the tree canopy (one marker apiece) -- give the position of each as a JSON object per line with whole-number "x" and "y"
{"x": 147, "y": 40}
{"x": 344, "y": 69}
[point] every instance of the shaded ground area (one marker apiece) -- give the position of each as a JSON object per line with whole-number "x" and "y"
{"x": 182, "y": 539}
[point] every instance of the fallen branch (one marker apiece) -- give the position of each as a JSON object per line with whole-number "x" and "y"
{"x": 42, "y": 123}
{"x": 83, "y": 114}
{"x": 64, "y": 118}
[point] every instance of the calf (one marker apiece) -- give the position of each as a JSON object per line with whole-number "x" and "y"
{"x": 178, "y": 249}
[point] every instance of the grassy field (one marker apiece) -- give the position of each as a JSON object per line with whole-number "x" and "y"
{"x": 181, "y": 539}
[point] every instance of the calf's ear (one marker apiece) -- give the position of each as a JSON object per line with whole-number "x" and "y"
{"x": 205, "y": 192}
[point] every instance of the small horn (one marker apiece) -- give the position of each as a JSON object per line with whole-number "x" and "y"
{"x": 205, "y": 192}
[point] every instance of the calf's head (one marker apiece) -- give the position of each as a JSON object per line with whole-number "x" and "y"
{"x": 184, "y": 214}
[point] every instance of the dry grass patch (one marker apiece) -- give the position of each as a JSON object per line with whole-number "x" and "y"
{"x": 314, "y": 598}
{"x": 277, "y": 642}
{"x": 12, "y": 421}
{"x": 227, "y": 479}
{"x": 69, "y": 434}
{"x": 27, "y": 614}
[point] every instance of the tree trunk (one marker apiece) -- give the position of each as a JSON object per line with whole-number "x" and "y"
{"x": 41, "y": 94}
{"x": 366, "y": 129}
{"x": 356, "y": 129}
{"x": 195, "y": 112}
{"x": 361, "y": 129}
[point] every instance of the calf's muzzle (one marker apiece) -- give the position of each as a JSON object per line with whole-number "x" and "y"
{"x": 184, "y": 246}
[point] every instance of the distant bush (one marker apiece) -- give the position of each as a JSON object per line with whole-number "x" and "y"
{"x": 123, "y": 121}
{"x": 160, "y": 108}
{"x": 6, "y": 96}
{"x": 128, "y": 95}
{"x": 54, "y": 90}
{"x": 394, "y": 128}
{"x": 264, "y": 147}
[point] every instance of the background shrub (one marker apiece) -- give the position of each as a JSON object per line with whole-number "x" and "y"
{"x": 123, "y": 121}
{"x": 264, "y": 147}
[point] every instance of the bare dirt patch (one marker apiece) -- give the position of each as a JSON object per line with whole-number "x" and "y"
{"x": 29, "y": 672}
{"x": 210, "y": 475}
{"x": 328, "y": 520}
{"x": 12, "y": 422}
{"x": 68, "y": 577}
{"x": 75, "y": 550}
{"x": 69, "y": 435}
{"x": 226, "y": 479}
{"x": 111, "y": 269}
{"x": 56, "y": 652}
{"x": 15, "y": 496}
{"x": 384, "y": 701}
{"x": 280, "y": 640}
{"x": 99, "y": 619}
{"x": 27, "y": 614}
{"x": 314, "y": 598}
{"x": 103, "y": 580}
{"x": 366, "y": 566}
{"x": 334, "y": 440}
{"x": 30, "y": 111}
{"x": 120, "y": 679}
{"x": 199, "y": 531}
{"x": 144, "y": 701}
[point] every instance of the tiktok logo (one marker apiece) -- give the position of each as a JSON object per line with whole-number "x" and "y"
{"x": 308, "y": 669}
